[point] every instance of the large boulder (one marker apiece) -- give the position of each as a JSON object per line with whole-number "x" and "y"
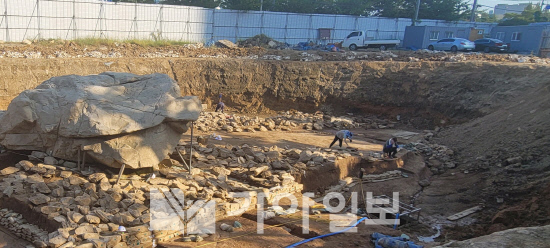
{"x": 115, "y": 118}
{"x": 538, "y": 236}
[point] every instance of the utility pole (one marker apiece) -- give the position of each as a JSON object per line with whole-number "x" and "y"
{"x": 416, "y": 12}
{"x": 261, "y": 5}
{"x": 474, "y": 7}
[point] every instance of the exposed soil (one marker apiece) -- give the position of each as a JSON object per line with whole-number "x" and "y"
{"x": 492, "y": 111}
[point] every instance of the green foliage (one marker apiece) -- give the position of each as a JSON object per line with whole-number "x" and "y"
{"x": 197, "y": 3}
{"x": 485, "y": 17}
{"x": 531, "y": 13}
{"x": 449, "y": 10}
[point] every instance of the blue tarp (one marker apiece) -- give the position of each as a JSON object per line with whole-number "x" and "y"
{"x": 387, "y": 241}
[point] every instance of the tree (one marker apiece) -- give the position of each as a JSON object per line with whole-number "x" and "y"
{"x": 531, "y": 13}
{"x": 197, "y": 3}
{"x": 449, "y": 10}
{"x": 485, "y": 17}
{"x": 242, "y": 4}
{"x": 135, "y": 1}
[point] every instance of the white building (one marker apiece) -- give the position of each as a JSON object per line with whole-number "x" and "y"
{"x": 501, "y": 9}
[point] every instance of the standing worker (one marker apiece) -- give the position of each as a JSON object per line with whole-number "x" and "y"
{"x": 342, "y": 135}
{"x": 390, "y": 148}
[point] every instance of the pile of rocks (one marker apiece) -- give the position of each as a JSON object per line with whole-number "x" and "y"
{"x": 89, "y": 207}
{"x": 388, "y": 175}
{"x": 20, "y": 227}
{"x": 438, "y": 157}
{"x": 286, "y": 121}
{"x": 169, "y": 54}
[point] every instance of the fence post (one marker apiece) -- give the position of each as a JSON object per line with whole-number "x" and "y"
{"x": 213, "y": 24}
{"x": 38, "y": 18}
{"x": 100, "y": 21}
{"x": 188, "y": 25}
{"x": 72, "y": 24}
{"x": 134, "y": 22}
{"x": 237, "y": 29}
{"x": 286, "y": 28}
{"x": 262, "y": 22}
{"x": 6, "y": 20}
{"x": 333, "y": 30}
{"x": 161, "y": 18}
{"x": 310, "y": 29}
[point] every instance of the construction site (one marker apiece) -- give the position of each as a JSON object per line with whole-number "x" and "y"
{"x": 120, "y": 146}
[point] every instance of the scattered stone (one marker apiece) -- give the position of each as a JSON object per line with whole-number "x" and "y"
{"x": 50, "y": 161}
{"x": 96, "y": 177}
{"x": 226, "y": 227}
{"x": 39, "y": 199}
{"x": 65, "y": 174}
{"x": 9, "y": 171}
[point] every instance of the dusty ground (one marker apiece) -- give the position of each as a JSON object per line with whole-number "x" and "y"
{"x": 500, "y": 107}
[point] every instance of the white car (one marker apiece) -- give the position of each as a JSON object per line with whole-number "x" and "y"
{"x": 452, "y": 44}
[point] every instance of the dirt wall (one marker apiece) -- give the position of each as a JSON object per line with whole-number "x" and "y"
{"x": 426, "y": 93}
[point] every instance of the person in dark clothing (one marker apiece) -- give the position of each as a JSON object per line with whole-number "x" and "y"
{"x": 342, "y": 135}
{"x": 390, "y": 148}
{"x": 220, "y": 106}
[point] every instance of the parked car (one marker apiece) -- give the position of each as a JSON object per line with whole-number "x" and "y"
{"x": 491, "y": 45}
{"x": 452, "y": 44}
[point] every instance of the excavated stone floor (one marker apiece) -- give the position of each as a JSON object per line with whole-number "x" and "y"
{"x": 62, "y": 206}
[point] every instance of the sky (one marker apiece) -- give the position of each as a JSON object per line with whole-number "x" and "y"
{"x": 492, "y": 3}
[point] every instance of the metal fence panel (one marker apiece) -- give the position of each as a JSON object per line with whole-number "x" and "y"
{"x": 72, "y": 19}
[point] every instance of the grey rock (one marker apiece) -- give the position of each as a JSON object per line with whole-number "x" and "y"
{"x": 26, "y": 165}
{"x": 39, "y": 199}
{"x": 43, "y": 188}
{"x": 96, "y": 177}
{"x": 517, "y": 237}
{"x": 50, "y": 161}
{"x": 115, "y": 118}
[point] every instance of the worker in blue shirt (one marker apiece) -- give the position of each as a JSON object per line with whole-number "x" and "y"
{"x": 342, "y": 135}
{"x": 390, "y": 148}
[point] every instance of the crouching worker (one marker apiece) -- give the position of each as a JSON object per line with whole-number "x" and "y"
{"x": 342, "y": 135}
{"x": 220, "y": 106}
{"x": 390, "y": 148}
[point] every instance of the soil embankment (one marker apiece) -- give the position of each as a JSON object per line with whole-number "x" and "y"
{"x": 424, "y": 94}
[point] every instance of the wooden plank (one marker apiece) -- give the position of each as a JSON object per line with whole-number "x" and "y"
{"x": 465, "y": 213}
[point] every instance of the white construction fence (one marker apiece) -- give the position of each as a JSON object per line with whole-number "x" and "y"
{"x": 73, "y": 19}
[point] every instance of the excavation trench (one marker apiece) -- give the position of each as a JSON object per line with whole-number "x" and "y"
{"x": 320, "y": 177}
{"x": 423, "y": 94}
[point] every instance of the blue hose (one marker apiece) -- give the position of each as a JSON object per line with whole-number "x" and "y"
{"x": 326, "y": 235}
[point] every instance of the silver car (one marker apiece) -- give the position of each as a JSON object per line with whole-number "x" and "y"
{"x": 452, "y": 44}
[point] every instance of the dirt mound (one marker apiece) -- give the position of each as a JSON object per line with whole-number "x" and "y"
{"x": 507, "y": 152}
{"x": 262, "y": 40}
